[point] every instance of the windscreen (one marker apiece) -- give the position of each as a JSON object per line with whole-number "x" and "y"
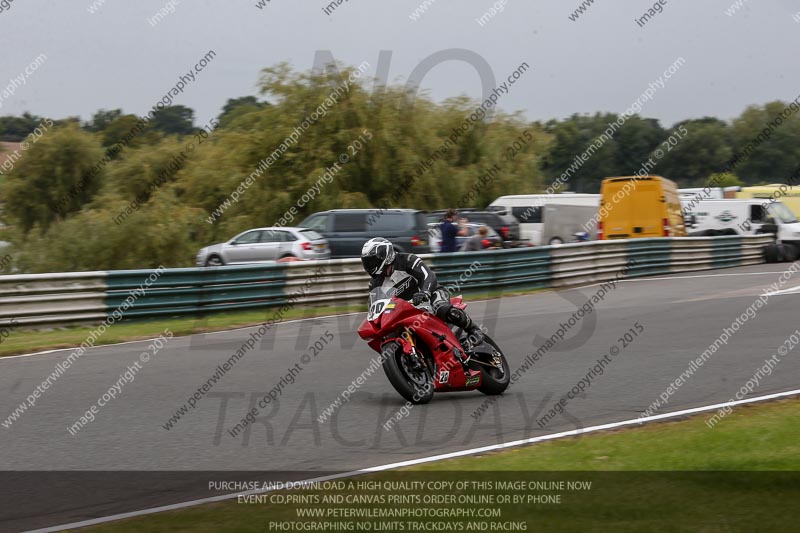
{"x": 379, "y": 298}
{"x": 781, "y": 213}
{"x": 310, "y": 234}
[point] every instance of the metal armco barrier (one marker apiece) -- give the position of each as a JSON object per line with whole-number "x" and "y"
{"x": 33, "y": 299}
{"x": 90, "y": 297}
{"x": 191, "y": 291}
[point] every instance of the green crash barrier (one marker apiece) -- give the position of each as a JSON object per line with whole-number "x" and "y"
{"x": 193, "y": 291}
{"x": 494, "y": 270}
{"x": 726, "y": 252}
{"x": 649, "y": 257}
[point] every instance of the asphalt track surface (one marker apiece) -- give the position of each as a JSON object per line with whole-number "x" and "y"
{"x": 681, "y": 316}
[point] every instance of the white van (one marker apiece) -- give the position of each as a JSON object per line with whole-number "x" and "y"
{"x": 709, "y": 193}
{"x": 741, "y": 217}
{"x": 529, "y": 210}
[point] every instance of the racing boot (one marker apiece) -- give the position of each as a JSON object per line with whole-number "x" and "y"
{"x": 474, "y": 334}
{"x": 474, "y": 337}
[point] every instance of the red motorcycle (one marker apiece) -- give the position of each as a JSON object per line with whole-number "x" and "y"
{"x": 419, "y": 351}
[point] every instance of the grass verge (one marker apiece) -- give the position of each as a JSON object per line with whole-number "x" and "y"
{"x": 742, "y": 475}
{"x": 26, "y": 340}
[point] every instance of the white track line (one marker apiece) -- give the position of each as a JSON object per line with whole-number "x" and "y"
{"x": 412, "y": 462}
{"x": 792, "y": 290}
{"x": 704, "y": 276}
{"x": 3, "y": 358}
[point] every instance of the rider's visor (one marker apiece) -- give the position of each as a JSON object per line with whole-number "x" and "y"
{"x": 372, "y": 264}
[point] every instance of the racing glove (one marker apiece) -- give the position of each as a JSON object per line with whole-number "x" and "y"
{"x": 420, "y": 297}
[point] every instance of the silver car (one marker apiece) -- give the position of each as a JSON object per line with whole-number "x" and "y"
{"x": 266, "y": 244}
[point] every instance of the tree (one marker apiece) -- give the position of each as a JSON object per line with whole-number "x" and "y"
{"x": 127, "y": 127}
{"x": 15, "y": 129}
{"x": 176, "y": 120}
{"x": 237, "y": 107}
{"x": 141, "y": 171}
{"x": 635, "y": 141}
{"x": 102, "y": 119}
{"x": 574, "y": 137}
{"x": 728, "y": 180}
{"x": 705, "y": 149}
{"x": 163, "y": 232}
{"x": 56, "y": 177}
{"x": 775, "y": 158}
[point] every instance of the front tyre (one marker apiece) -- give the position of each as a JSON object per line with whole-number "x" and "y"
{"x": 410, "y": 378}
{"x": 496, "y": 375}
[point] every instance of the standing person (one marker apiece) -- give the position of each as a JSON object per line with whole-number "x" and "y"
{"x": 450, "y": 231}
{"x": 475, "y": 243}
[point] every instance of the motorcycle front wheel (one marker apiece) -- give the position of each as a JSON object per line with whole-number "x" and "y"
{"x": 412, "y": 379}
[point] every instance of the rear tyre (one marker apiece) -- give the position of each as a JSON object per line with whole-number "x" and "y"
{"x": 412, "y": 382}
{"x": 496, "y": 378}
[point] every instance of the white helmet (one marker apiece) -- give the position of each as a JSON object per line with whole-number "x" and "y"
{"x": 377, "y": 255}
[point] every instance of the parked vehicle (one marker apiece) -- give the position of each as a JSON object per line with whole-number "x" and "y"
{"x": 418, "y": 350}
{"x": 743, "y": 217}
{"x": 785, "y": 193}
{"x": 528, "y": 209}
{"x": 710, "y": 193}
{"x": 504, "y": 225}
{"x": 562, "y": 222}
{"x": 348, "y": 229}
{"x": 635, "y": 207}
{"x": 492, "y": 240}
{"x": 265, "y": 244}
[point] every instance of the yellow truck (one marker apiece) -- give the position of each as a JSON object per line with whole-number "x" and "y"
{"x": 635, "y": 207}
{"x": 785, "y": 193}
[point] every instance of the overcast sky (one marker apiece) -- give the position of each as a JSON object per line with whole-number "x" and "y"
{"x": 601, "y": 62}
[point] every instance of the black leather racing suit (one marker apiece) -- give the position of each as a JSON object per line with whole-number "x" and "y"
{"x": 411, "y": 275}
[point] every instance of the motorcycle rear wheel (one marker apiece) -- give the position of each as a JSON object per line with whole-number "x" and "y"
{"x": 415, "y": 385}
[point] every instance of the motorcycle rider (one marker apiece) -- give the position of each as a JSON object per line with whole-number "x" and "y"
{"x": 412, "y": 280}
